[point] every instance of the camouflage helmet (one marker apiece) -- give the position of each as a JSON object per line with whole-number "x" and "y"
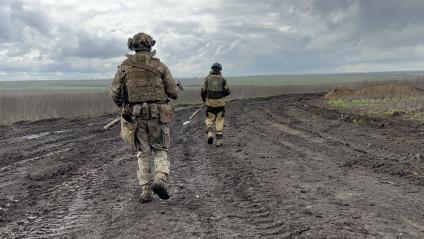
{"x": 141, "y": 42}
{"x": 216, "y": 66}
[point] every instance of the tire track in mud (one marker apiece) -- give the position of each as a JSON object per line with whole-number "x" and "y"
{"x": 382, "y": 158}
{"x": 27, "y": 150}
{"x": 68, "y": 205}
{"x": 191, "y": 197}
{"x": 229, "y": 193}
{"x": 312, "y": 143}
{"x": 198, "y": 180}
{"x": 275, "y": 177}
{"x": 242, "y": 189}
{"x": 264, "y": 209}
{"x": 384, "y": 155}
{"x": 79, "y": 203}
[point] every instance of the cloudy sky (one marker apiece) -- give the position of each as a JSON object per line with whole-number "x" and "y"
{"x": 51, "y": 39}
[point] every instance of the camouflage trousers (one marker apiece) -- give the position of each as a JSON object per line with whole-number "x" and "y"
{"x": 151, "y": 140}
{"x": 215, "y": 119}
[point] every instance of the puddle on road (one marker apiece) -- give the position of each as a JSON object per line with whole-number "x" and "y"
{"x": 21, "y": 163}
{"x": 36, "y": 136}
{"x": 412, "y": 223}
{"x": 305, "y": 135}
{"x": 43, "y": 134}
{"x": 346, "y": 195}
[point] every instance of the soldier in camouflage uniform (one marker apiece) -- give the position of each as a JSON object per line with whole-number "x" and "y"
{"x": 142, "y": 87}
{"x": 214, "y": 89}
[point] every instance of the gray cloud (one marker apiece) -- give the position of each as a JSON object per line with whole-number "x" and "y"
{"x": 248, "y": 37}
{"x": 389, "y": 15}
{"x": 17, "y": 20}
{"x": 87, "y": 45}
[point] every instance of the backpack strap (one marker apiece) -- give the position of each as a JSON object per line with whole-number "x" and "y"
{"x": 130, "y": 62}
{"x": 147, "y": 68}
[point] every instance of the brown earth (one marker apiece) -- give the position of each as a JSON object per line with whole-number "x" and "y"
{"x": 377, "y": 91}
{"x": 289, "y": 169}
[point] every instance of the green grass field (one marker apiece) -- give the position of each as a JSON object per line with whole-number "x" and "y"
{"x": 410, "y": 108}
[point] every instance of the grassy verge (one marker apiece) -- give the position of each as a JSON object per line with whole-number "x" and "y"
{"x": 411, "y": 108}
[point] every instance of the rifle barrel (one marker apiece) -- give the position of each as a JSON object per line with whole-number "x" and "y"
{"x": 112, "y": 123}
{"x": 195, "y": 113}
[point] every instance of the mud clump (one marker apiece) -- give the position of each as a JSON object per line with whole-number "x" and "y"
{"x": 377, "y": 91}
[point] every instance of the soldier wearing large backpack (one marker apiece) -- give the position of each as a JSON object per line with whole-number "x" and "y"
{"x": 214, "y": 89}
{"x": 142, "y": 87}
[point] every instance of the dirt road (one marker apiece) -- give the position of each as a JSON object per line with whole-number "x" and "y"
{"x": 289, "y": 169}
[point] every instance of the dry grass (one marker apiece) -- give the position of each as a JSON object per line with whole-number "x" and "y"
{"x": 41, "y": 104}
{"x": 17, "y": 106}
{"x": 375, "y": 92}
{"x": 34, "y": 105}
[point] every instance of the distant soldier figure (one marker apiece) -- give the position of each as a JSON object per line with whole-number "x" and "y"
{"x": 213, "y": 92}
{"x": 141, "y": 87}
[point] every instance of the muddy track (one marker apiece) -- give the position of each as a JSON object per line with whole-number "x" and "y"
{"x": 290, "y": 168}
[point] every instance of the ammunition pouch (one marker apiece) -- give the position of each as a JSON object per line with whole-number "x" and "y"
{"x": 141, "y": 111}
{"x": 129, "y": 130}
{"x": 154, "y": 111}
{"x": 148, "y": 111}
{"x": 167, "y": 113}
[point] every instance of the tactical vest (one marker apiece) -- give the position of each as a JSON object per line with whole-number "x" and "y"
{"x": 144, "y": 82}
{"x": 215, "y": 86}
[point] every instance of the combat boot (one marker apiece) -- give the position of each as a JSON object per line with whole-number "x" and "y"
{"x": 219, "y": 139}
{"x": 146, "y": 195}
{"x": 210, "y": 137}
{"x": 160, "y": 188}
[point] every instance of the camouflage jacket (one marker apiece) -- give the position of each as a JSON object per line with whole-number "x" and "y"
{"x": 118, "y": 86}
